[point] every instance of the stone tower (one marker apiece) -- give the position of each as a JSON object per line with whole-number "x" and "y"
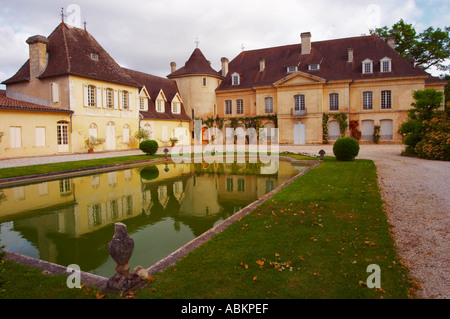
{"x": 197, "y": 83}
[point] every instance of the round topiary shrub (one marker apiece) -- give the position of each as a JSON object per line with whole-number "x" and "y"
{"x": 149, "y": 147}
{"x": 346, "y": 149}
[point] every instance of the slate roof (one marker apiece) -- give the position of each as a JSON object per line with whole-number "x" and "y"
{"x": 197, "y": 64}
{"x": 7, "y": 103}
{"x": 154, "y": 84}
{"x": 69, "y": 51}
{"x": 332, "y": 55}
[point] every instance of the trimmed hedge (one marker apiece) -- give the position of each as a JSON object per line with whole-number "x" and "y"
{"x": 346, "y": 149}
{"x": 149, "y": 147}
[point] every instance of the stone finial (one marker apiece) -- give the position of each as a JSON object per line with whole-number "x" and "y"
{"x": 121, "y": 248}
{"x": 321, "y": 153}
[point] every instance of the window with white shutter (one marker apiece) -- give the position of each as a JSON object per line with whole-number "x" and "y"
{"x": 40, "y": 136}
{"x": 15, "y": 137}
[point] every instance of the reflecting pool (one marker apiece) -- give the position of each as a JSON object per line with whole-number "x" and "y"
{"x": 71, "y": 221}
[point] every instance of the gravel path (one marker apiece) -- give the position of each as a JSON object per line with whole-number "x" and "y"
{"x": 417, "y": 201}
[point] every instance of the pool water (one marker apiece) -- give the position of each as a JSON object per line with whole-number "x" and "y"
{"x": 71, "y": 221}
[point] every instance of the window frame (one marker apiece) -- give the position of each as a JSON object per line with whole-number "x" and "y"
{"x": 382, "y": 64}
{"x": 367, "y": 100}
{"x": 109, "y": 98}
{"x": 314, "y": 67}
{"x": 365, "y": 63}
{"x": 143, "y": 104}
{"x": 235, "y": 79}
{"x": 334, "y": 101}
{"x": 266, "y": 99}
{"x": 228, "y": 107}
{"x": 125, "y": 100}
{"x": 299, "y": 102}
{"x": 240, "y": 106}
{"x": 176, "y": 107}
{"x": 91, "y": 95}
{"x": 160, "y": 107}
{"x": 386, "y": 99}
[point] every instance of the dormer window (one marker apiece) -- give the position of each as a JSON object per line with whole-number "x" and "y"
{"x": 176, "y": 107}
{"x": 94, "y": 56}
{"x": 291, "y": 69}
{"x": 160, "y": 106}
{"x": 313, "y": 67}
{"x": 367, "y": 66}
{"x": 385, "y": 65}
{"x": 235, "y": 79}
{"x": 143, "y": 104}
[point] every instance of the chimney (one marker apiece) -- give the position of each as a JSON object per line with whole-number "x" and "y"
{"x": 38, "y": 55}
{"x": 224, "y": 66}
{"x": 391, "y": 41}
{"x": 306, "y": 42}
{"x": 262, "y": 64}
{"x": 173, "y": 67}
{"x": 350, "y": 55}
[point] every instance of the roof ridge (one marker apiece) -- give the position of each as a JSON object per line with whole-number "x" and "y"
{"x": 66, "y": 48}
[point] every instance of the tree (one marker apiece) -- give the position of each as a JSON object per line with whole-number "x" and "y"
{"x": 428, "y": 48}
{"x": 413, "y": 130}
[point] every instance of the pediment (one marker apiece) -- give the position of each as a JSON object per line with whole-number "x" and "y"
{"x": 299, "y": 78}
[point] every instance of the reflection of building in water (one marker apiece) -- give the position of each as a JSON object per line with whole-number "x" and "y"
{"x": 61, "y": 217}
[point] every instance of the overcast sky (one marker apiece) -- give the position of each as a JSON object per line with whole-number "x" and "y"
{"x": 146, "y": 35}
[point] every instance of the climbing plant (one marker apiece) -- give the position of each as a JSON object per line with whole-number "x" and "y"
{"x": 376, "y": 134}
{"x": 342, "y": 120}
{"x": 355, "y": 133}
{"x": 325, "y": 118}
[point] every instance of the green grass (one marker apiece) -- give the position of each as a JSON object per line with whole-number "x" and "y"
{"x": 313, "y": 239}
{"x": 66, "y": 166}
{"x": 21, "y": 282}
{"x": 325, "y": 228}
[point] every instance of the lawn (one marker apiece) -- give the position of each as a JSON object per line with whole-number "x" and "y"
{"x": 313, "y": 239}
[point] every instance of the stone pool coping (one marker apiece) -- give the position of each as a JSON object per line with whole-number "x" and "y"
{"x": 93, "y": 280}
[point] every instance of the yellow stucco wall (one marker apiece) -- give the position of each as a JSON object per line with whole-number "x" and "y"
{"x": 27, "y": 122}
{"x": 162, "y": 130}
{"x": 197, "y": 96}
{"x": 83, "y": 116}
{"x": 317, "y": 101}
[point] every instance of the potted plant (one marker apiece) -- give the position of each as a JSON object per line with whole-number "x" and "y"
{"x": 173, "y": 140}
{"x": 92, "y": 142}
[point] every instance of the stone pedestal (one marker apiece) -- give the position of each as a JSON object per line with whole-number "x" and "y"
{"x": 121, "y": 248}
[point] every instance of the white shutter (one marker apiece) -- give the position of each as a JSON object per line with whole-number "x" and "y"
{"x": 130, "y": 101}
{"x": 14, "y": 137}
{"x": 99, "y": 98}
{"x": 85, "y": 95}
{"x": 116, "y": 100}
{"x": 55, "y": 92}
{"x": 104, "y": 97}
{"x": 120, "y": 99}
{"x": 40, "y": 136}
